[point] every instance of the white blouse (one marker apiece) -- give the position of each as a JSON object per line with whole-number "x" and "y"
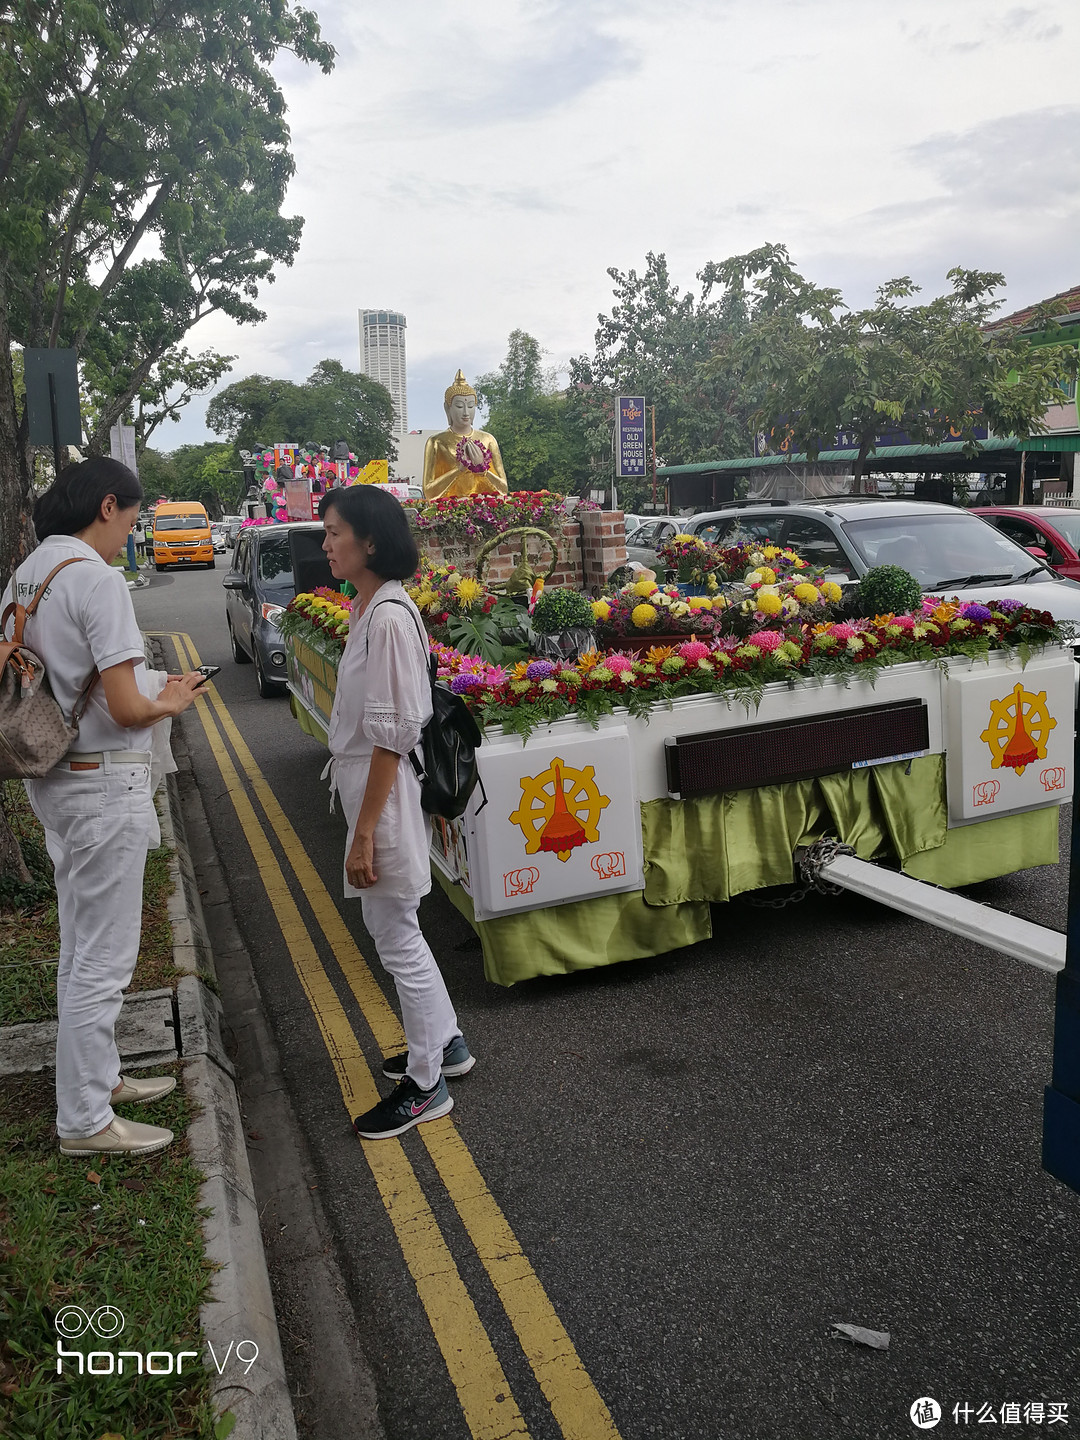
{"x": 384, "y": 698}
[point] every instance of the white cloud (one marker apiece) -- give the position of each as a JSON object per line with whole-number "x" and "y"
{"x": 480, "y": 167}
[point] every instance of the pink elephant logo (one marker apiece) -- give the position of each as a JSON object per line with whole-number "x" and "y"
{"x": 1054, "y": 778}
{"x": 520, "y": 882}
{"x": 609, "y": 866}
{"x": 986, "y": 792}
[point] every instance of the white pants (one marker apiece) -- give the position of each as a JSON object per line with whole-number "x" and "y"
{"x": 426, "y": 1012}
{"x": 98, "y": 826}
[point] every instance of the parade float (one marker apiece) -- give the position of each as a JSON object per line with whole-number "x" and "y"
{"x": 718, "y": 718}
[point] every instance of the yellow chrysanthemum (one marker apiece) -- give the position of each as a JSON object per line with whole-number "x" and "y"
{"x": 766, "y": 574}
{"x": 699, "y": 602}
{"x": 807, "y": 594}
{"x": 682, "y": 539}
{"x": 644, "y": 587}
{"x": 601, "y": 609}
{"x": 643, "y": 616}
{"x": 769, "y": 604}
{"x": 831, "y": 591}
{"x": 469, "y": 591}
{"x": 424, "y": 599}
{"x": 771, "y": 551}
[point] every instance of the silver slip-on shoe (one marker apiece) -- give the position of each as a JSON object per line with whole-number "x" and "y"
{"x": 141, "y": 1092}
{"x": 123, "y": 1137}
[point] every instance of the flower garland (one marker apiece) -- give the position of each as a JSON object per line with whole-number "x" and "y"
{"x": 473, "y": 455}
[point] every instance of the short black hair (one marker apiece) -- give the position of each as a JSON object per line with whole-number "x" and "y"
{"x": 73, "y": 500}
{"x": 375, "y": 515}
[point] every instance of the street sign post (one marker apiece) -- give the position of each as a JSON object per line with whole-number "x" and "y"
{"x": 1061, "y": 1099}
{"x": 52, "y": 399}
{"x": 630, "y": 450}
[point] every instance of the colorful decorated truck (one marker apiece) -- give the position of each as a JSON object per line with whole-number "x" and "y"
{"x": 627, "y": 792}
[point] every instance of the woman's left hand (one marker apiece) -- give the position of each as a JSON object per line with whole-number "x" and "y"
{"x": 360, "y": 862}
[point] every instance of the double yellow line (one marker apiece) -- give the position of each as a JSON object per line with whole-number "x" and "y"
{"x": 489, "y": 1407}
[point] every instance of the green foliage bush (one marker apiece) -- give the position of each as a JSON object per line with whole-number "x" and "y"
{"x": 558, "y": 610}
{"x": 888, "y": 590}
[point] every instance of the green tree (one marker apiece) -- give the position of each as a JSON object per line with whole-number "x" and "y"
{"x": 531, "y": 420}
{"x": 143, "y": 164}
{"x": 209, "y": 474}
{"x": 930, "y": 370}
{"x": 658, "y": 342}
{"x": 173, "y": 382}
{"x": 157, "y": 473}
{"x": 331, "y": 404}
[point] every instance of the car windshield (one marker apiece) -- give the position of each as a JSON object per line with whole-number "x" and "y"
{"x": 193, "y": 521}
{"x": 1066, "y": 523}
{"x": 275, "y": 566}
{"x": 939, "y": 548}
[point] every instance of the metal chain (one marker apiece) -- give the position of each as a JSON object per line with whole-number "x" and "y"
{"x": 809, "y": 863}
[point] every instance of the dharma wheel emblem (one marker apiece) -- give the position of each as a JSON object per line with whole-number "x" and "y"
{"x": 560, "y": 809}
{"x": 1019, "y": 729}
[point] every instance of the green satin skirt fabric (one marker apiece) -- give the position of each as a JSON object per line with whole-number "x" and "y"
{"x": 706, "y": 850}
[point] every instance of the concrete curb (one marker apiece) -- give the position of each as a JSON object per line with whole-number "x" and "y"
{"x": 241, "y": 1306}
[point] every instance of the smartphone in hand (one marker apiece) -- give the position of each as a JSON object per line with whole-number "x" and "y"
{"x": 208, "y": 672}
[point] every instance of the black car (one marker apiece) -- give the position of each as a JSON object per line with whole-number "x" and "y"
{"x": 271, "y": 564}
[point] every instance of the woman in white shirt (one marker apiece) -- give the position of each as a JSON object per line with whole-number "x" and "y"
{"x": 382, "y": 703}
{"x": 95, "y": 805}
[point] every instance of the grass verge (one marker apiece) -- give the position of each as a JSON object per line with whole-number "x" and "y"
{"x": 101, "y": 1231}
{"x": 30, "y": 933}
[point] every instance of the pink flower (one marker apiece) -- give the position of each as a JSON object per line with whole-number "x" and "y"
{"x": 692, "y": 651}
{"x": 618, "y": 664}
{"x": 905, "y": 622}
{"x": 843, "y": 632}
{"x": 765, "y": 639}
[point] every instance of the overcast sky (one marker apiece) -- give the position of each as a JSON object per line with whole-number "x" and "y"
{"x": 479, "y": 166}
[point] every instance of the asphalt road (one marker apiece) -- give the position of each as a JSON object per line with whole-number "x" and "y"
{"x": 827, "y": 1113}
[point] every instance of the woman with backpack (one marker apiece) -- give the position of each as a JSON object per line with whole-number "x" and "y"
{"x": 95, "y": 805}
{"x": 382, "y": 704}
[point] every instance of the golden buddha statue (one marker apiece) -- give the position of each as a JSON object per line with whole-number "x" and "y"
{"x": 461, "y": 460}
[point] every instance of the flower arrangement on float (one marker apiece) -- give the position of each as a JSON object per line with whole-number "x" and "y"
{"x": 643, "y": 609}
{"x": 320, "y": 618}
{"x": 692, "y": 561}
{"x": 462, "y": 518}
{"x": 442, "y": 592}
{"x": 537, "y": 692}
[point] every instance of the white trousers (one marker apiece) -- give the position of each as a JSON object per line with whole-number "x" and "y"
{"x": 98, "y": 825}
{"x": 426, "y": 1012}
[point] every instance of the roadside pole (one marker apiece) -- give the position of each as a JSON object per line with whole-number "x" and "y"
{"x": 1061, "y": 1102}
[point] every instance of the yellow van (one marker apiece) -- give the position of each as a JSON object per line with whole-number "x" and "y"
{"x": 182, "y": 535}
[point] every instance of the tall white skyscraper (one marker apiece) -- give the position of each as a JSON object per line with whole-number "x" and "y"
{"x": 382, "y": 356}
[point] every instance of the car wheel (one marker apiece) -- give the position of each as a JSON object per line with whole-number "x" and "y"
{"x": 239, "y": 655}
{"x": 159, "y": 568}
{"x": 267, "y": 688}
{"x": 212, "y": 565}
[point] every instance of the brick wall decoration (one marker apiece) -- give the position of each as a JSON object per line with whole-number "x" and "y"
{"x": 591, "y": 547}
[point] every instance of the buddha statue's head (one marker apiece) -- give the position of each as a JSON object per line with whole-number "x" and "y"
{"x": 459, "y": 402}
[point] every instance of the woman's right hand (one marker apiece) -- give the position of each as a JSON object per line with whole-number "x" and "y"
{"x": 181, "y": 691}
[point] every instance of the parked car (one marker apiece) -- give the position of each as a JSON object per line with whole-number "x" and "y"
{"x": 642, "y": 543}
{"x": 231, "y": 525}
{"x": 631, "y": 523}
{"x": 1048, "y": 533}
{"x": 218, "y": 536}
{"x": 949, "y": 551}
{"x": 272, "y": 563}
{"x": 181, "y": 535}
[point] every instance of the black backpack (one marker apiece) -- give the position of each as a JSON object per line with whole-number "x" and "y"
{"x": 448, "y": 773}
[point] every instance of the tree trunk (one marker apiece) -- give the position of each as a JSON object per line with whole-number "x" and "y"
{"x": 11, "y": 859}
{"x": 861, "y": 467}
{"x": 17, "y": 536}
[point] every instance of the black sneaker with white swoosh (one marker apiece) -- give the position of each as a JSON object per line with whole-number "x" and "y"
{"x": 406, "y": 1105}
